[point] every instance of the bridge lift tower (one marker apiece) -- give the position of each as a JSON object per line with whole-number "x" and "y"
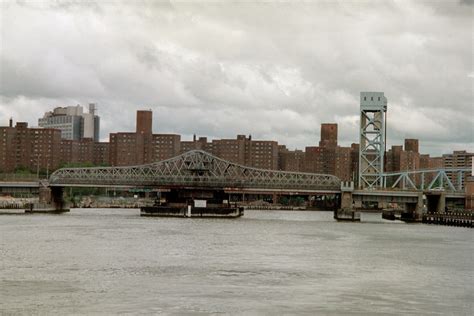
{"x": 373, "y": 113}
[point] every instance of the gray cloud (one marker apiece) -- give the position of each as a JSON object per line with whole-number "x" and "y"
{"x": 273, "y": 70}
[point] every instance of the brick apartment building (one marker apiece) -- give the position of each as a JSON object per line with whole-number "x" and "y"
{"x": 142, "y": 146}
{"x": 408, "y": 158}
{"x": 290, "y": 160}
{"x": 84, "y": 151}
{"x": 30, "y": 148}
{"x": 241, "y": 150}
{"x": 398, "y": 159}
{"x": 458, "y": 159}
{"x": 329, "y": 157}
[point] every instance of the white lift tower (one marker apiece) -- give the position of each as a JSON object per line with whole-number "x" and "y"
{"x": 373, "y": 111}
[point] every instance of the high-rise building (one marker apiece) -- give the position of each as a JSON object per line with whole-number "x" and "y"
{"x": 165, "y": 146}
{"x": 73, "y": 123}
{"x": 142, "y": 146}
{"x": 77, "y": 151}
{"x": 91, "y": 124}
{"x": 262, "y": 154}
{"x": 196, "y": 144}
{"x": 354, "y": 161}
{"x": 411, "y": 145}
{"x": 30, "y": 148}
{"x": 329, "y": 158}
{"x": 290, "y": 160}
{"x": 328, "y": 135}
{"x": 242, "y": 150}
{"x": 144, "y": 122}
{"x": 458, "y": 159}
{"x": 427, "y": 162}
{"x": 101, "y": 153}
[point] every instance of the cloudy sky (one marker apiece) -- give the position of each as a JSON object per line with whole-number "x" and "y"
{"x": 274, "y": 70}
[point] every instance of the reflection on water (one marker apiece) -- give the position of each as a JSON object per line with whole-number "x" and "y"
{"x": 113, "y": 261}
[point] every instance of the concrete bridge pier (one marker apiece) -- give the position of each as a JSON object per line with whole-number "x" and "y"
{"x": 57, "y": 199}
{"x": 275, "y": 198}
{"x": 50, "y": 201}
{"x": 436, "y": 202}
{"x": 414, "y": 211}
{"x": 45, "y": 195}
{"x": 346, "y": 211}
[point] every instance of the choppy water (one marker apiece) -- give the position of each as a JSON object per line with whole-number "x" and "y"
{"x": 113, "y": 261}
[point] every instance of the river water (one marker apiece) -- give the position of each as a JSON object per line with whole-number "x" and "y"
{"x": 99, "y": 261}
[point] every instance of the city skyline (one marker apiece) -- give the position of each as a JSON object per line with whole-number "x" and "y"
{"x": 318, "y": 135}
{"x": 217, "y": 71}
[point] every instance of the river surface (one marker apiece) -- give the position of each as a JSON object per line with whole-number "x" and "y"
{"x": 109, "y": 261}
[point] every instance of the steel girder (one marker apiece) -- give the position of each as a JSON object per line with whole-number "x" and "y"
{"x": 372, "y": 148}
{"x": 194, "y": 168}
{"x": 416, "y": 179}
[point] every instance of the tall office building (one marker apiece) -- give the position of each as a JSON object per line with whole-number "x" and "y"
{"x": 73, "y": 123}
{"x": 91, "y": 124}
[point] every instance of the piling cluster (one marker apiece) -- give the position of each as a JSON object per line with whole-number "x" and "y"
{"x": 460, "y": 219}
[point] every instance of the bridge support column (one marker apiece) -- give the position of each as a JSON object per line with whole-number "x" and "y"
{"x": 57, "y": 199}
{"x": 469, "y": 200}
{"x": 414, "y": 211}
{"x": 346, "y": 211}
{"x": 50, "y": 201}
{"x": 441, "y": 207}
{"x": 44, "y": 195}
{"x": 275, "y": 198}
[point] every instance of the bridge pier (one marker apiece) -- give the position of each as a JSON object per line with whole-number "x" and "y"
{"x": 469, "y": 200}
{"x": 436, "y": 202}
{"x": 346, "y": 211}
{"x": 414, "y": 211}
{"x": 275, "y": 198}
{"x": 50, "y": 201}
{"x": 57, "y": 199}
{"x": 45, "y": 195}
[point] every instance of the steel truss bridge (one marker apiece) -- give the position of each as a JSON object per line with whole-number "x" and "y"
{"x": 449, "y": 179}
{"x": 196, "y": 169}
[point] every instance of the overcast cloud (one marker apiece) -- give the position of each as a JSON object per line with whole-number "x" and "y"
{"x": 272, "y": 70}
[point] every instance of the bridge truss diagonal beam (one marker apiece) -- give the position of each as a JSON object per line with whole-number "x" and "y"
{"x": 439, "y": 179}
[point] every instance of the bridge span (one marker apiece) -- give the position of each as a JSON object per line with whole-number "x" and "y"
{"x": 196, "y": 169}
